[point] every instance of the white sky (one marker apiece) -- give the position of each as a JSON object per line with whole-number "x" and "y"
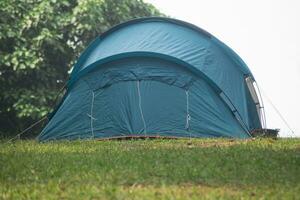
{"x": 266, "y": 34}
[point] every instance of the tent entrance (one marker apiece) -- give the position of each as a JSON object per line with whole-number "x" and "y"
{"x": 144, "y": 108}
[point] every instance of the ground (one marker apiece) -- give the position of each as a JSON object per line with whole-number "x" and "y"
{"x": 151, "y": 169}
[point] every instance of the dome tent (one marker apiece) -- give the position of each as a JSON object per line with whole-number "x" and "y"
{"x": 152, "y": 77}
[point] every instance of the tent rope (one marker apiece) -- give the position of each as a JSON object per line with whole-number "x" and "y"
{"x": 277, "y": 111}
{"x": 42, "y": 119}
{"x": 28, "y": 128}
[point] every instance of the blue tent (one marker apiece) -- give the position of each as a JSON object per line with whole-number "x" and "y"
{"x": 156, "y": 77}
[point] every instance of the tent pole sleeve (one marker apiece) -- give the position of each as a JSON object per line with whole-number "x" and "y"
{"x": 239, "y": 118}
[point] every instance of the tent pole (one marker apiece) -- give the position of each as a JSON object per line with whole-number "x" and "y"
{"x": 242, "y": 123}
{"x": 261, "y": 107}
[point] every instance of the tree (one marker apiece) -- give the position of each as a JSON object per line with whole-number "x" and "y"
{"x": 39, "y": 42}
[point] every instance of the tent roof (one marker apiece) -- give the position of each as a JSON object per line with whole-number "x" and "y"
{"x": 81, "y": 63}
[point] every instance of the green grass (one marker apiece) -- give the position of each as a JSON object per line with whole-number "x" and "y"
{"x": 151, "y": 169}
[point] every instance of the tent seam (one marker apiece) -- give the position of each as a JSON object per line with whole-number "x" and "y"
{"x": 140, "y": 107}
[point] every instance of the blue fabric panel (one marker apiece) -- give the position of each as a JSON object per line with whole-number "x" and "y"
{"x": 210, "y": 115}
{"x": 164, "y": 109}
{"x": 139, "y": 68}
{"x": 223, "y": 71}
{"x": 71, "y": 120}
{"x": 161, "y": 37}
{"x": 117, "y": 111}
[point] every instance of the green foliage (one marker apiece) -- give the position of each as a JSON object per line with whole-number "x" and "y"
{"x": 40, "y": 41}
{"x": 151, "y": 169}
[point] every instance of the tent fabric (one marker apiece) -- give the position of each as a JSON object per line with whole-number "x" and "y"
{"x": 173, "y": 38}
{"x": 155, "y": 77}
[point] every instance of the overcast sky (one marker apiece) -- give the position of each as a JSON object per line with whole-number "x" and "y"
{"x": 266, "y": 34}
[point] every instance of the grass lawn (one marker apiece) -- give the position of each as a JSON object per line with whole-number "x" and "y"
{"x": 151, "y": 169}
